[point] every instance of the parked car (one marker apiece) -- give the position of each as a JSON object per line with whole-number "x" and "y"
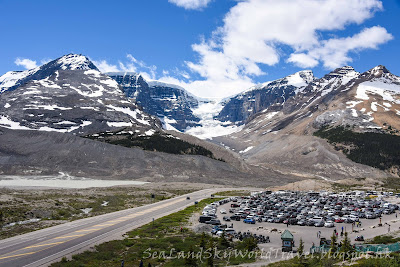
{"x": 214, "y": 222}
{"x": 204, "y": 219}
{"x": 251, "y": 221}
{"x": 339, "y": 220}
{"x": 235, "y": 217}
{"x": 226, "y": 218}
{"x": 329, "y": 224}
{"x": 301, "y": 222}
{"x": 370, "y": 216}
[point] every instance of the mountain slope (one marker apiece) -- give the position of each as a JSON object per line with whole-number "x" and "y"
{"x": 284, "y": 140}
{"x": 172, "y": 104}
{"x": 24, "y": 152}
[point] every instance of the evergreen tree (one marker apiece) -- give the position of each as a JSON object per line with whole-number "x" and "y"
{"x": 210, "y": 259}
{"x": 334, "y": 244}
{"x": 203, "y": 241}
{"x": 250, "y": 243}
{"x": 223, "y": 241}
{"x": 346, "y": 246}
{"x": 300, "y": 252}
{"x": 190, "y": 260}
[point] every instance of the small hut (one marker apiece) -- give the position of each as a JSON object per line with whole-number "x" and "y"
{"x": 287, "y": 241}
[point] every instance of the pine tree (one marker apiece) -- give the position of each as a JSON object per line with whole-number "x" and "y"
{"x": 223, "y": 241}
{"x": 334, "y": 244}
{"x": 300, "y": 252}
{"x": 210, "y": 260}
{"x": 189, "y": 259}
{"x": 203, "y": 241}
{"x": 346, "y": 247}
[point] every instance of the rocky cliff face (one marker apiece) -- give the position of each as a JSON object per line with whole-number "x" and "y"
{"x": 269, "y": 96}
{"x": 172, "y": 104}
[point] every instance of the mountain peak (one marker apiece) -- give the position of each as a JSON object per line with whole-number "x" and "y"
{"x": 73, "y": 62}
{"x": 343, "y": 71}
{"x": 301, "y": 78}
{"x": 378, "y": 70}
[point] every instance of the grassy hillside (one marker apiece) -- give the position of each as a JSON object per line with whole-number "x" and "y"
{"x": 379, "y": 150}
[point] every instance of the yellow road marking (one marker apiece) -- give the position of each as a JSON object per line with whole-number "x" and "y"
{"x": 61, "y": 237}
{"x": 17, "y": 255}
{"x": 88, "y": 230}
{"x": 42, "y": 245}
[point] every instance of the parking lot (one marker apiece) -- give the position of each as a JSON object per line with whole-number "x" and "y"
{"x": 306, "y": 215}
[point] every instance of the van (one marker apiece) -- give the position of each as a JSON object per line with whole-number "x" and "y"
{"x": 204, "y": 219}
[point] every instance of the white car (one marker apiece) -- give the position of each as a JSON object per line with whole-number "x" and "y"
{"x": 329, "y": 224}
{"x": 227, "y": 231}
{"x": 354, "y": 218}
{"x": 222, "y": 211}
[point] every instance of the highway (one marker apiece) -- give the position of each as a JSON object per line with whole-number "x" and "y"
{"x": 42, "y": 247}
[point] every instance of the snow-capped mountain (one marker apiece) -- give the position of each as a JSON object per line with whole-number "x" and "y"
{"x": 69, "y": 94}
{"x": 45, "y": 112}
{"x": 267, "y": 96}
{"x": 282, "y": 138}
{"x": 172, "y": 104}
{"x": 13, "y": 79}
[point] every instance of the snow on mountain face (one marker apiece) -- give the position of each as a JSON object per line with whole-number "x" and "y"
{"x": 210, "y": 127}
{"x": 334, "y": 80}
{"x": 77, "y": 101}
{"x": 74, "y": 62}
{"x": 13, "y": 79}
{"x": 172, "y": 104}
{"x": 376, "y": 97}
{"x": 270, "y": 95}
{"x": 301, "y": 78}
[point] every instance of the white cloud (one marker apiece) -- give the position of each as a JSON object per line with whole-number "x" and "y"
{"x": 335, "y": 52}
{"x": 255, "y": 31}
{"x": 26, "y": 63}
{"x": 132, "y": 65}
{"x": 190, "y": 4}
{"x": 104, "y": 66}
{"x": 45, "y": 60}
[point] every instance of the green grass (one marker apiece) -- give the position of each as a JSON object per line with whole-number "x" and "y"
{"x": 392, "y": 261}
{"x": 64, "y": 205}
{"x": 383, "y": 239}
{"x": 233, "y": 193}
{"x": 160, "y": 238}
{"x": 392, "y": 183}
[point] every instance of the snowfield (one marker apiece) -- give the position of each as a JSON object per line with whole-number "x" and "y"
{"x": 379, "y": 87}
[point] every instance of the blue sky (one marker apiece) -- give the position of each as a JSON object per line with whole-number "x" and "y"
{"x": 213, "y": 48}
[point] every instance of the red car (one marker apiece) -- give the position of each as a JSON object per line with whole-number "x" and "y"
{"x": 339, "y": 220}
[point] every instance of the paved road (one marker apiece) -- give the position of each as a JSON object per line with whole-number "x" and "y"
{"x": 42, "y": 247}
